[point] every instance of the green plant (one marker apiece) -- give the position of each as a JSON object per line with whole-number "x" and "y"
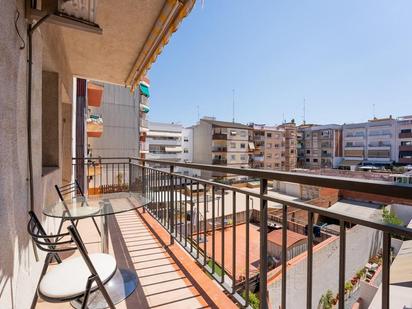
{"x": 326, "y": 301}
{"x": 348, "y": 286}
{"x": 360, "y": 273}
{"x": 253, "y": 299}
{"x": 391, "y": 218}
{"x": 218, "y": 269}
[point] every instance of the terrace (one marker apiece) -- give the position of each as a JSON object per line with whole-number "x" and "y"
{"x": 178, "y": 220}
{"x": 171, "y": 243}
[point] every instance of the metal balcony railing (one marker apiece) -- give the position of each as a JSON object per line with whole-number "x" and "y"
{"x": 182, "y": 205}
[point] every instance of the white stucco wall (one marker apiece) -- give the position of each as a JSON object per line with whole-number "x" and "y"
{"x": 19, "y": 271}
{"x": 361, "y": 244}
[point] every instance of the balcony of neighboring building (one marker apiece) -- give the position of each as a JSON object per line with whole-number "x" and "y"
{"x": 406, "y": 133}
{"x": 219, "y": 136}
{"x": 405, "y": 160}
{"x": 94, "y": 125}
{"x": 219, "y": 149}
{"x": 405, "y": 147}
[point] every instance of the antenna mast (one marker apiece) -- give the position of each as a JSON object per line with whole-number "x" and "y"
{"x": 233, "y": 105}
{"x": 304, "y": 110}
{"x": 198, "y": 113}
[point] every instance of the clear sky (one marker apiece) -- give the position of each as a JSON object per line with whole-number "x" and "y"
{"x": 342, "y": 56}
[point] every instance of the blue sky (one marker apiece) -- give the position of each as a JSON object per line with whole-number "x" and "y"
{"x": 342, "y": 56}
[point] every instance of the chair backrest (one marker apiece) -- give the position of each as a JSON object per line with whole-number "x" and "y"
{"x": 70, "y": 188}
{"x": 49, "y": 243}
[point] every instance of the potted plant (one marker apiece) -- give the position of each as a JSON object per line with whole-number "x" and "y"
{"x": 348, "y": 289}
{"x": 326, "y": 301}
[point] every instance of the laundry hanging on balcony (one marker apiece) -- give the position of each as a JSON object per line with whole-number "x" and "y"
{"x": 144, "y": 90}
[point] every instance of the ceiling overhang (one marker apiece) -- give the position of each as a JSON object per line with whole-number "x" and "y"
{"x": 124, "y": 39}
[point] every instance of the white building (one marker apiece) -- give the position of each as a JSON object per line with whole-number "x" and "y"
{"x": 370, "y": 143}
{"x": 404, "y": 140}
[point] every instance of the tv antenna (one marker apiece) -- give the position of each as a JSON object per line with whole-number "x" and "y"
{"x": 233, "y": 105}
{"x": 304, "y": 110}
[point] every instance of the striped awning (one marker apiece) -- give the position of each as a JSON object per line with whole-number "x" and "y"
{"x": 144, "y": 90}
{"x": 172, "y": 14}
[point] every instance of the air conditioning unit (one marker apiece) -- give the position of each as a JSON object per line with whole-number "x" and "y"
{"x": 79, "y": 14}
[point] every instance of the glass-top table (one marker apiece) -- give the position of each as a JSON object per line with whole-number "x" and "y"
{"x": 124, "y": 282}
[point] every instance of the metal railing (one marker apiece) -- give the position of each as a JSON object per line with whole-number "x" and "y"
{"x": 196, "y": 213}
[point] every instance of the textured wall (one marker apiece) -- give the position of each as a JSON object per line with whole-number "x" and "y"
{"x": 361, "y": 243}
{"x": 18, "y": 270}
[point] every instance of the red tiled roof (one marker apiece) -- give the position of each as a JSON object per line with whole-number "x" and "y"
{"x": 292, "y": 237}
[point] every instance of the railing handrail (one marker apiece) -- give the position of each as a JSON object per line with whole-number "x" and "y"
{"x": 381, "y": 226}
{"x": 394, "y": 190}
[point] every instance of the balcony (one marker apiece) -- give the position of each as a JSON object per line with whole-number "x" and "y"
{"x": 219, "y": 161}
{"x": 219, "y": 136}
{"x": 405, "y": 160}
{"x": 94, "y": 126}
{"x": 405, "y": 135}
{"x": 405, "y": 148}
{"x": 219, "y": 149}
{"x": 195, "y": 219}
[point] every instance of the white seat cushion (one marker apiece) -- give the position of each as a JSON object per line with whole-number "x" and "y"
{"x": 68, "y": 279}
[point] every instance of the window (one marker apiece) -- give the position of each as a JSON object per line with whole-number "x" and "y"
{"x": 243, "y": 133}
{"x": 50, "y": 121}
{"x": 186, "y": 139}
{"x": 269, "y": 135}
{"x": 308, "y": 151}
{"x": 233, "y": 157}
{"x": 243, "y": 146}
{"x": 233, "y": 133}
{"x": 276, "y": 145}
{"x": 232, "y": 145}
{"x": 243, "y": 158}
{"x": 269, "y": 165}
{"x": 406, "y": 130}
{"x": 315, "y": 160}
{"x": 186, "y": 150}
{"x": 307, "y": 160}
{"x": 269, "y": 156}
{"x": 292, "y": 151}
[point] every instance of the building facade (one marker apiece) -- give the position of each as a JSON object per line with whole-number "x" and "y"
{"x": 144, "y": 108}
{"x": 404, "y": 140}
{"x": 164, "y": 142}
{"x": 370, "y": 143}
{"x": 320, "y": 146}
{"x": 113, "y": 126}
{"x": 221, "y": 143}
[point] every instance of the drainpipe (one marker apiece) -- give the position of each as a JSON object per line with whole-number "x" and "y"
{"x": 30, "y": 30}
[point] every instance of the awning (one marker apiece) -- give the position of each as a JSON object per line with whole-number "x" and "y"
{"x": 144, "y": 108}
{"x": 172, "y": 14}
{"x": 164, "y": 134}
{"x": 350, "y": 162}
{"x": 173, "y": 149}
{"x": 251, "y": 146}
{"x": 144, "y": 90}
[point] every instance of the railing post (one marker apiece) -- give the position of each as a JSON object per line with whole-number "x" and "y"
{"x": 171, "y": 207}
{"x": 143, "y": 181}
{"x": 130, "y": 174}
{"x": 263, "y": 267}
{"x": 386, "y": 264}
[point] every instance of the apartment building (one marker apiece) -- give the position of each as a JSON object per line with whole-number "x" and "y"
{"x": 164, "y": 141}
{"x": 369, "y": 143}
{"x": 320, "y": 146}
{"x": 144, "y": 94}
{"x": 112, "y": 123}
{"x": 290, "y": 145}
{"x": 404, "y": 140}
{"x": 221, "y": 143}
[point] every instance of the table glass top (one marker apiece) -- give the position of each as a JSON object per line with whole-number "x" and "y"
{"x": 96, "y": 205}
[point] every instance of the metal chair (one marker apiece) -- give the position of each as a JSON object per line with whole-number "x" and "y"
{"x": 74, "y": 278}
{"x": 69, "y": 189}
